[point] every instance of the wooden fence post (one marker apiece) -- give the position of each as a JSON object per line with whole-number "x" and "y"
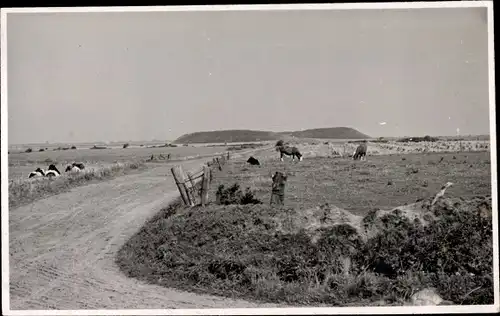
{"x": 193, "y": 187}
{"x": 205, "y": 185}
{"x": 278, "y": 188}
{"x": 228, "y": 155}
{"x": 181, "y": 185}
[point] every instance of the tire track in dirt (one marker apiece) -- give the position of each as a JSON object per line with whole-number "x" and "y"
{"x": 62, "y": 248}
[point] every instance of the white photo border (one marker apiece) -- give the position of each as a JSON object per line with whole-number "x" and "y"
{"x": 5, "y": 12}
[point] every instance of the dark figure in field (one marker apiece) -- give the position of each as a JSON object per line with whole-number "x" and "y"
{"x": 52, "y": 171}
{"x": 168, "y": 157}
{"x": 288, "y": 150}
{"x": 361, "y": 151}
{"x": 37, "y": 173}
{"x": 253, "y": 161}
{"x": 278, "y": 188}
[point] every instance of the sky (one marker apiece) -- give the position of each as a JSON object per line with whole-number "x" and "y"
{"x": 78, "y": 77}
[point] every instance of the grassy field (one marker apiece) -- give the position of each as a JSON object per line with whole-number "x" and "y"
{"x": 100, "y": 164}
{"x": 350, "y": 232}
{"x": 21, "y": 164}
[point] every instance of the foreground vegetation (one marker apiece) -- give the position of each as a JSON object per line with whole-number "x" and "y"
{"x": 309, "y": 252}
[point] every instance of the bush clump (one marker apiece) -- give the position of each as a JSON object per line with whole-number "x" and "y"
{"x": 234, "y": 195}
{"x": 426, "y": 138}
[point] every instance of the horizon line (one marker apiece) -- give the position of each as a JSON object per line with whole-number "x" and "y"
{"x": 172, "y": 141}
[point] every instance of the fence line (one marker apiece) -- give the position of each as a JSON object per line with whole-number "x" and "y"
{"x": 194, "y": 185}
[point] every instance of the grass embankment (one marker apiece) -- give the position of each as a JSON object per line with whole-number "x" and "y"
{"x": 24, "y": 191}
{"x": 312, "y": 253}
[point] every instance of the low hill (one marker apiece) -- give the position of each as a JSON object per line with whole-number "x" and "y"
{"x": 253, "y": 136}
{"x": 229, "y": 136}
{"x": 330, "y": 133}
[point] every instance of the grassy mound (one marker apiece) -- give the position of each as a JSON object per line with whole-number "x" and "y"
{"x": 254, "y": 136}
{"x": 322, "y": 256}
{"x": 226, "y": 136}
{"x": 330, "y": 133}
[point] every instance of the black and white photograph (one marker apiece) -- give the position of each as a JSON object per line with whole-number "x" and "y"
{"x": 249, "y": 159}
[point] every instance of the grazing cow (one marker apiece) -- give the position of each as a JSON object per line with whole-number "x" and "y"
{"x": 253, "y": 161}
{"x": 52, "y": 172}
{"x": 287, "y": 150}
{"x": 37, "y": 173}
{"x": 71, "y": 168}
{"x": 360, "y": 152}
{"x": 80, "y": 165}
{"x": 75, "y": 167}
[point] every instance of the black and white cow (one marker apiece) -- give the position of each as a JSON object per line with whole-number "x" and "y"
{"x": 52, "y": 172}
{"x": 75, "y": 167}
{"x": 37, "y": 173}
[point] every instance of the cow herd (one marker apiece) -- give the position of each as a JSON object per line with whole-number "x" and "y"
{"x": 284, "y": 149}
{"x": 53, "y": 172}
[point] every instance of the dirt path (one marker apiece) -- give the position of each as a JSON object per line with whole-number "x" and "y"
{"x": 62, "y": 248}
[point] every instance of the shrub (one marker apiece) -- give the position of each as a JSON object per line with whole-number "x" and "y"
{"x": 456, "y": 242}
{"x": 28, "y": 150}
{"x": 234, "y": 195}
{"x": 126, "y": 145}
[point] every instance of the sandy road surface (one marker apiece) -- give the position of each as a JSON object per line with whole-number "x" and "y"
{"x": 62, "y": 248}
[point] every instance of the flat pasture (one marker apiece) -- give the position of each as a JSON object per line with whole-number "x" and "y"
{"x": 380, "y": 182}
{"x": 21, "y": 163}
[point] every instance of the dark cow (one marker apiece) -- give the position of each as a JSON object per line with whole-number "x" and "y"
{"x": 360, "y": 152}
{"x": 52, "y": 172}
{"x": 253, "y": 161}
{"x": 37, "y": 173}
